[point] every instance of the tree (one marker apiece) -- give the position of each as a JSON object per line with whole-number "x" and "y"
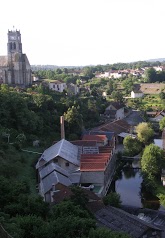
{"x": 162, "y": 124}
{"x": 162, "y": 95}
{"x": 74, "y": 121}
{"x": 131, "y": 146}
{"x": 144, "y": 132}
{"x": 110, "y": 86}
{"x": 106, "y": 233}
{"x": 152, "y": 161}
{"x": 27, "y": 226}
{"x": 79, "y": 197}
{"x": 117, "y": 96}
{"x": 112, "y": 199}
{"x": 95, "y": 92}
{"x": 87, "y": 72}
{"x": 128, "y": 85}
{"x": 150, "y": 75}
{"x": 68, "y": 208}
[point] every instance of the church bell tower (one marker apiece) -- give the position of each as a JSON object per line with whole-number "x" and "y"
{"x": 18, "y": 67}
{"x": 14, "y": 42}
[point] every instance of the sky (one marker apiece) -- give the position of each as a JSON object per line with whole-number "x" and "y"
{"x": 85, "y": 32}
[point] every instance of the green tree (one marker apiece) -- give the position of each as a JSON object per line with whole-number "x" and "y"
{"x": 79, "y": 197}
{"x": 112, "y": 199}
{"x": 27, "y": 226}
{"x": 71, "y": 226}
{"x": 74, "y": 122}
{"x": 152, "y": 161}
{"x": 68, "y": 208}
{"x": 150, "y": 75}
{"x": 162, "y": 95}
{"x": 162, "y": 124}
{"x": 144, "y": 132}
{"x": 106, "y": 233}
{"x": 87, "y": 72}
{"x": 110, "y": 86}
{"x": 117, "y": 96}
{"x": 131, "y": 146}
{"x": 128, "y": 85}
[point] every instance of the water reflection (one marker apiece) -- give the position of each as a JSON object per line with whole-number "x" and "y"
{"x": 129, "y": 184}
{"x": 128, "y": 188}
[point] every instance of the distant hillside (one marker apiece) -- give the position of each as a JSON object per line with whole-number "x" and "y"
{"x": 51, "y": 67}
{"x": 154, "y": 60}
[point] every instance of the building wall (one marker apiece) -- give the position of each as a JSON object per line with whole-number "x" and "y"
{"x": 57, "y": 87}
{"x": 136, "y": 95}
{"x": 108, "y": 174}
{"x": 120, "y": 113}
{"x": 66, "y": 165}
{"x": 96, "y": 177}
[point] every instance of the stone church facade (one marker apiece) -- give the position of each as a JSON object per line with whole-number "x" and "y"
{"x": 15, "y": 69}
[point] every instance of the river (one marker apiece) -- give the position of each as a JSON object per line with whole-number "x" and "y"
{"x": 129, "y": 184}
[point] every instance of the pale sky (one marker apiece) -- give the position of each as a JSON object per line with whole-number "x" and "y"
{"x": 85, "y": 32}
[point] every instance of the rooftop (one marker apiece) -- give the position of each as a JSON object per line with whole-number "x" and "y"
{"x": 116, "y": 127}
{"x": 53, "y": 178}
{"x": 121, "y": 221}
{"x": 108, "y": 134}
{"x": 62, "y": 148}
{"x": 94, "y": 162}
{"x": 98, "y": 138}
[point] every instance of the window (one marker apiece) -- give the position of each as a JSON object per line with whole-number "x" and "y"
{"x": 67, "y": 164}
{"x": 55, "y": 160}
{"x": 14, "y": 46}
{"x": 53, "y": 86}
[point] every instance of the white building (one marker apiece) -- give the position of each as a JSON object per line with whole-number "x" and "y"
{"x": 137, "y": 94}
{"x": 57, "y": 86}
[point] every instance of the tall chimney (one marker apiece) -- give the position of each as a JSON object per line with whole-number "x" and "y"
{"x": 62, "y": 127}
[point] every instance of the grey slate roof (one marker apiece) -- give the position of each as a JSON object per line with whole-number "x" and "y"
{"x": 62, "y": 148}
{"x": 119, "y": 220}
{"x": 53, "y": 178}
{"x": 75, "y": 177}
{"x": 50, "y": 168}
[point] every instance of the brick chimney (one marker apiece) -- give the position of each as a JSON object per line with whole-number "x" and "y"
{"x": 62, "y": 127}
{"x": 163, "y": 139}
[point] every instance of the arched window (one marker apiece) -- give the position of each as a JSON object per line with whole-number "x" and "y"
{"x": 14, "y": 45}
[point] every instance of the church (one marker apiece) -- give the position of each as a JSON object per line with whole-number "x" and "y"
{"x": 15, "y": 69}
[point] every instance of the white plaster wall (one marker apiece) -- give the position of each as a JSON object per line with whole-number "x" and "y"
{"x": 92, "y": 177}
{"x": 120, "y": 113}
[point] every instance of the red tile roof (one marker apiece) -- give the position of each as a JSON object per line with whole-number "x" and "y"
{"x": 105, "y": 149}
{"x": 94, "y": 162}
{"x": 92, "y": 166}
{"x": 98, "y": 138}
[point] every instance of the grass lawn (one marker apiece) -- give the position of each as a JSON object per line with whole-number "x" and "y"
{"x": 28, "y": 171}
{"x": 160, "y": 192}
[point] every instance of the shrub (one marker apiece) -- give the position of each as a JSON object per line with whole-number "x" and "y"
{"x": 112, "y": 199}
